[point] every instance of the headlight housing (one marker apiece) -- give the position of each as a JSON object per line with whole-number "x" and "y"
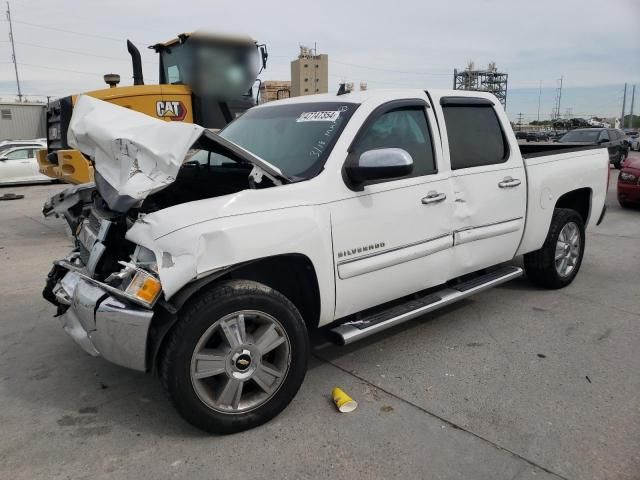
{"x": 139, "y": 278}
{"x": 145, "y": 287}
{"x": 628, "y": 177}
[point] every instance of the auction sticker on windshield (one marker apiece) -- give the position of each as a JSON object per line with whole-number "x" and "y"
{"x": 326, "y": 116}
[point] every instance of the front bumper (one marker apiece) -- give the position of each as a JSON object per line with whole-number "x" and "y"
{"x": 102, "y": 324}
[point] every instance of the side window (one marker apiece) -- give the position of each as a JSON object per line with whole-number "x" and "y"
{"x": 21, "y": 154}
{"x": 475, "y": 136}
{"x": 604, "y": 135}
{"x": 405, "y": 128}
{"x": 173, "y": 74}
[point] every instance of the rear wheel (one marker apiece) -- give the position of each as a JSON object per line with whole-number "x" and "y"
{"x": 557, "y": 263}
{"x": 236, "y": 358}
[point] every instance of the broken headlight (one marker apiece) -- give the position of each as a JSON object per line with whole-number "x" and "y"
{"x": 139, "y": 278}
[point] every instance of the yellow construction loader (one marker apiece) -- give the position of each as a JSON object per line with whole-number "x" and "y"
{"x": 204, "y": 78}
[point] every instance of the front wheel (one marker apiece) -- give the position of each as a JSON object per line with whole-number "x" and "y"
{"x": 237, "y": 357}
{"x": 557, "y": 263}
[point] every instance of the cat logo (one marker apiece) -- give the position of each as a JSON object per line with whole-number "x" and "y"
{"x": 171, "y": 110}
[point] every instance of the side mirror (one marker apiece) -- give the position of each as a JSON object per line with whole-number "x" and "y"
{"x": 379, "y": 164}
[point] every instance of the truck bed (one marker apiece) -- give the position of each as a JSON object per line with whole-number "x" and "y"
{"x": 541, "y": 149}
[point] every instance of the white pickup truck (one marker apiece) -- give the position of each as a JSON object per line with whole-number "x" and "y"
{"x": 208, "y": 258}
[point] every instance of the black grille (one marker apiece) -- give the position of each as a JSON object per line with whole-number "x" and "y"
{"x": 58, "y": 118}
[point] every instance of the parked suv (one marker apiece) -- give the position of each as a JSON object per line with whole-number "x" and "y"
{"x": 612, "y": 138}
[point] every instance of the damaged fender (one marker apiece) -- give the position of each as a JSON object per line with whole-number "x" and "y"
{"x": 191, "y": 252}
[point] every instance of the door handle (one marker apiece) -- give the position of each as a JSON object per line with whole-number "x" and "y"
{"x": 509, "y": 182}
{"x": 433, "y": 197}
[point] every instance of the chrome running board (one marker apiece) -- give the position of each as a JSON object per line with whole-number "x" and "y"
{"x": 354, "y": 330}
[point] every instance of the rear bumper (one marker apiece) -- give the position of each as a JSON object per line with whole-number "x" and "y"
{"x": 102, "y": 324}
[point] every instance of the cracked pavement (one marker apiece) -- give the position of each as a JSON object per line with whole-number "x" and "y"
{"x": 514, "y": 383}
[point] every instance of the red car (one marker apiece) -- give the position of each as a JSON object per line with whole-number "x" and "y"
{"x": 629, "y": 183}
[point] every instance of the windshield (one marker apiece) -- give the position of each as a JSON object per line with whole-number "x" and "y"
{"x": 296, "y": 138}
{"x": 217, "y": 69}
{"x": 581, "y": 136}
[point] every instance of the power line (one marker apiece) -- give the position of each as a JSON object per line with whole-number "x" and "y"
{"x": 58, "y": 69}
{"x": 75, "y": 52}
{"x": 65, "y": 70}
{"x": 84, "y": 34}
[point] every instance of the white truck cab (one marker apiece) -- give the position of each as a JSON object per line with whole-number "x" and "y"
{"x": 208, "y": 257}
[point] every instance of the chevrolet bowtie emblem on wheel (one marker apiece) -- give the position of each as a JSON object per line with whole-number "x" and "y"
{"x": 243, "y": 362}
{"x": 363, "y": 249}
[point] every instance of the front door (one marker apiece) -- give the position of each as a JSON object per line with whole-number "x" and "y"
{"x": 489, "y": 185}
{"x": 17, "y": 166}
{"x": 394, "y": 237}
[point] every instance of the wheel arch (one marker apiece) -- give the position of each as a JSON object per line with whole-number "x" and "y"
{"x": 293, "y": 275}
{"x": 578, "y": 200}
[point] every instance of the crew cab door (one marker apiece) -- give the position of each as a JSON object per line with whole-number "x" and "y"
{"x": 488, "y": 180}
{"x": 392, "y": 237}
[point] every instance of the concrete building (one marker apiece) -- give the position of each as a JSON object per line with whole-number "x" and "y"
{"x": 22, "y": 121}
{"x": 309, "y": 73}
{"x": 271, "y": 90}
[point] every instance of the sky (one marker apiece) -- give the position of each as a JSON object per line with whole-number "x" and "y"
{"x": 65, "y": 46}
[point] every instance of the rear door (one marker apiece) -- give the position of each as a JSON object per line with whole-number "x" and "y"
{"x": 393, "y": 237}
{"x": 488, "y": 181}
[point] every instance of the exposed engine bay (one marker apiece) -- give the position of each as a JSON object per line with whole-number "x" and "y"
{"x": 142, "y": 165}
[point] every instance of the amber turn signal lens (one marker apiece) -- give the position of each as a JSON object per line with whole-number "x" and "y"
{"x": 145, "y": 287}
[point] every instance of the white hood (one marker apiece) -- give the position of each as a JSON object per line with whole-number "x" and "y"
{"x": 134, "y": 153}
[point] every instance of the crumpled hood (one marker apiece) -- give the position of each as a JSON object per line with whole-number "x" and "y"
{"x": 135, "y": 154}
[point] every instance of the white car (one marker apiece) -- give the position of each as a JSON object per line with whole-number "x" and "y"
{"x": 352, "y": 212}
{"x": 7, "y": 144}
{"x": 20, "y": 165}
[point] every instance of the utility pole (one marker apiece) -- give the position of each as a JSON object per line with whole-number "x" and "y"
{"x": 633, "y": 97}
{"x": 556, "y": 114}
{"x": 539, "y": 95}
{"x": 13, "y": 52}
{"x": 520, "y": 121}
{"x": 624, "y": 104}
{"x": 559, "y": 95}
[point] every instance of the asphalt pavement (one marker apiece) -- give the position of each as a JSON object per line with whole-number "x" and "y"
{"x": 514, "y": 383}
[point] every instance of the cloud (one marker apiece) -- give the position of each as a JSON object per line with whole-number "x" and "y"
{"x": 403, "y": 43}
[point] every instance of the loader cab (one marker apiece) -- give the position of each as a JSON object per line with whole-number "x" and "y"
{"x": 219, "y": 70}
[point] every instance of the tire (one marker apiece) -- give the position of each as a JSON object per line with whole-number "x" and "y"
{"x": 540, "y": 265}
{"x": 216, "y": 312}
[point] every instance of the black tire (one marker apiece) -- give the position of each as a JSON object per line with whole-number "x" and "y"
{"x": 195, "y": 318}
{"x": 540, "y": 265}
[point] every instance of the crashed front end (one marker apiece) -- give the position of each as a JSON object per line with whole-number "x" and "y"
{"x": 117, "y": 279}
{"x": 105, "y": 304}
{"x": 106, "y": 288}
